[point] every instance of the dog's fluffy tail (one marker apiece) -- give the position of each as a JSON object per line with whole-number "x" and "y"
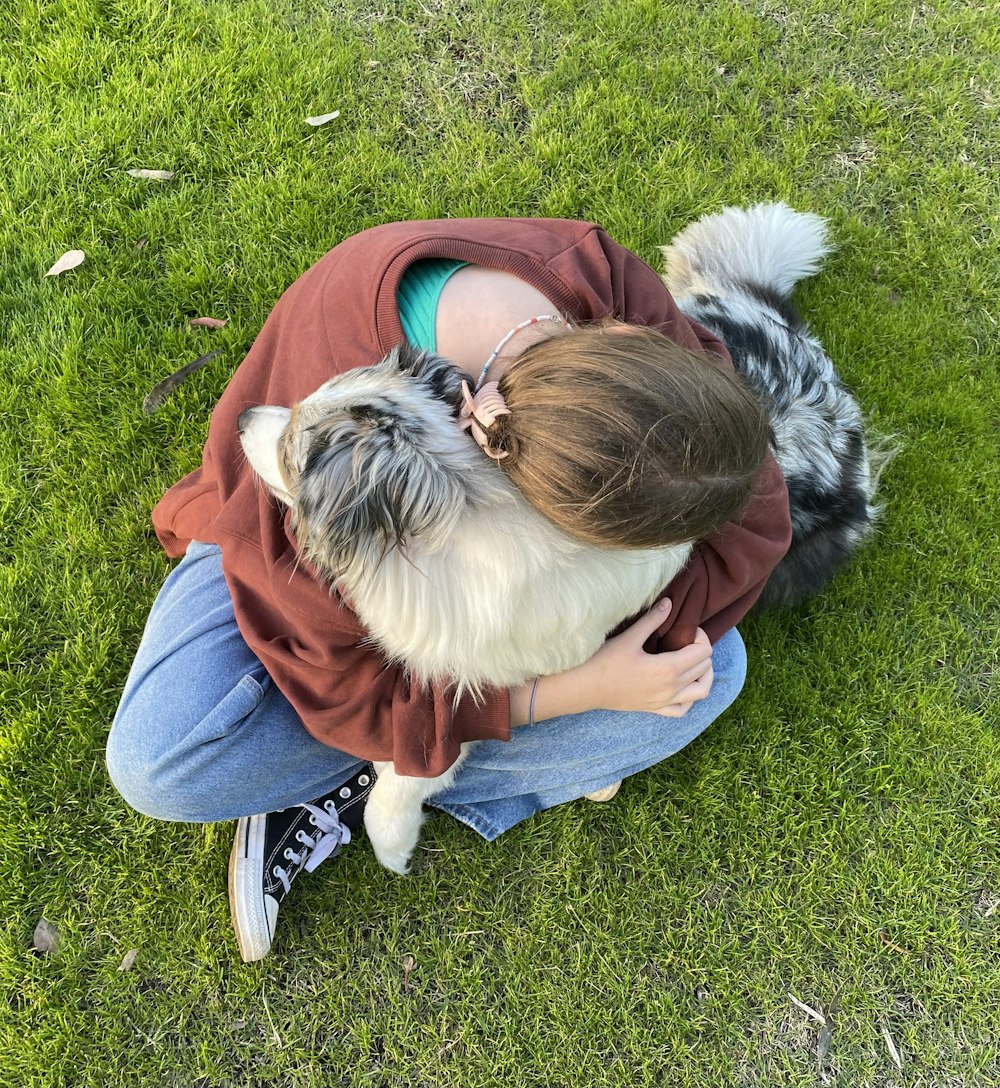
{"x": 769, "y": 246}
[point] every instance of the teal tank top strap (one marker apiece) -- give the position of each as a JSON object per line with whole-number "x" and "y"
{"x": 418, "y": 295}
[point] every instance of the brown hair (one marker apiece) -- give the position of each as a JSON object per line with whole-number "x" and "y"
{"x": 624, "y": 439}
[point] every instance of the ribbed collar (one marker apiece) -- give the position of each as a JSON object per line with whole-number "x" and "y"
{"x": 388, "y": 327}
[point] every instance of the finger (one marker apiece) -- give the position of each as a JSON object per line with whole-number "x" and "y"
{"x": 693, "y": 693}
{"x": 693, "y": 675}
{"x": 674, "y": 679}
{"x": 674, "y": 710}
{"x": 690, "y": 656}
{"x": 651, "y": 621}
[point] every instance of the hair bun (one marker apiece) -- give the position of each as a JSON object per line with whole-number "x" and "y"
{"x": 501, "y": 441}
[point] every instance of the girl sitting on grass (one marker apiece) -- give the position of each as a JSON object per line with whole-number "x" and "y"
{"x": 253, "y": 695}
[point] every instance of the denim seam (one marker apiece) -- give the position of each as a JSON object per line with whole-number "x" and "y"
{"x": 470, "y": 817}
{"x": 248, "y": 680}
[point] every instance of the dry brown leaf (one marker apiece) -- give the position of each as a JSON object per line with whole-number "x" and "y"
{"x": 128, "y": 959}
{"x": 46, "y": 939}
{"x": 322, "y": 118}
{"x": 892, "y": 944}
{"x": 408, "y": 964}
{"x": 208, "y": 323}
{"x": 152, "y": 175}
{"x": 68, "y": 260}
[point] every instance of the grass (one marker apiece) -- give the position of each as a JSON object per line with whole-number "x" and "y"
{"x": 834, "y": 837}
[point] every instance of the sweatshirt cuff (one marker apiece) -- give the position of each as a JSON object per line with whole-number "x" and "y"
{"x": 484, "y": 721}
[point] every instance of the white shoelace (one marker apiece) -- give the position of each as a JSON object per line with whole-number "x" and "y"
{"x": 331, "y": 834}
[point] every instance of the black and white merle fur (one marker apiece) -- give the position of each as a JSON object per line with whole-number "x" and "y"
{"x": 734, "y": 273}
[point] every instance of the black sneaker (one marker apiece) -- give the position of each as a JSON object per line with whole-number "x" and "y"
{"x": 271, "y": 850}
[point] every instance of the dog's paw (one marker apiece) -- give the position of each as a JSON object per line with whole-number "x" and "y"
{"x": 393, "y": 834}
{"x": 398, "y": 861}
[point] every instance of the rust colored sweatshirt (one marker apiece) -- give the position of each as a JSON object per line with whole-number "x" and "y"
{"x": 340, "y": 314}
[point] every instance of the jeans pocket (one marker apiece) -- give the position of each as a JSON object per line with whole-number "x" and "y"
{"x": 232, "y": 710}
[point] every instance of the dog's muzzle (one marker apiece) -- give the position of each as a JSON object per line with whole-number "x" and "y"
{"x": 260, "y": 431}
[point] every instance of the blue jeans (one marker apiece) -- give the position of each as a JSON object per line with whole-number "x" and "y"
{"x": 203, "y": 734}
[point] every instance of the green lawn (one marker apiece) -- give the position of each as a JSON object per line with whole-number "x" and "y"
{"x": 834, "y": 837}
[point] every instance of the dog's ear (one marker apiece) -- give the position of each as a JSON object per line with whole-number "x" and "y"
{"x": 442, "y": 379}
{"x": 371, "y": 482}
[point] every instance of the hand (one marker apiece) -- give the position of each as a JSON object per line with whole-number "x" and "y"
{"x": 622, "y": 676}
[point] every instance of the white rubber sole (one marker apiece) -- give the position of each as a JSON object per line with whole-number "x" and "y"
{"x": 254, "y": 929}
{"x": 606, "y": 794}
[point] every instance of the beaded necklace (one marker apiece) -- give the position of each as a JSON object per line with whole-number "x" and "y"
{"x": 517, "y": 329}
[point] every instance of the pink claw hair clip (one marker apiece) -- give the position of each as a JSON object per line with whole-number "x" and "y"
{"x": 483, "y": 408}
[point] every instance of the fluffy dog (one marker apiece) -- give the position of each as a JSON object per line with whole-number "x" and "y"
{"x": 398, "y": 507}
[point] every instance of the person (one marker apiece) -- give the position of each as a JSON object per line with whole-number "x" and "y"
{"x": 253, "y": 695}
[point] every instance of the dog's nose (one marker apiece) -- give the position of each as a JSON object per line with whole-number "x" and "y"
{"x": 243, "y": 419}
